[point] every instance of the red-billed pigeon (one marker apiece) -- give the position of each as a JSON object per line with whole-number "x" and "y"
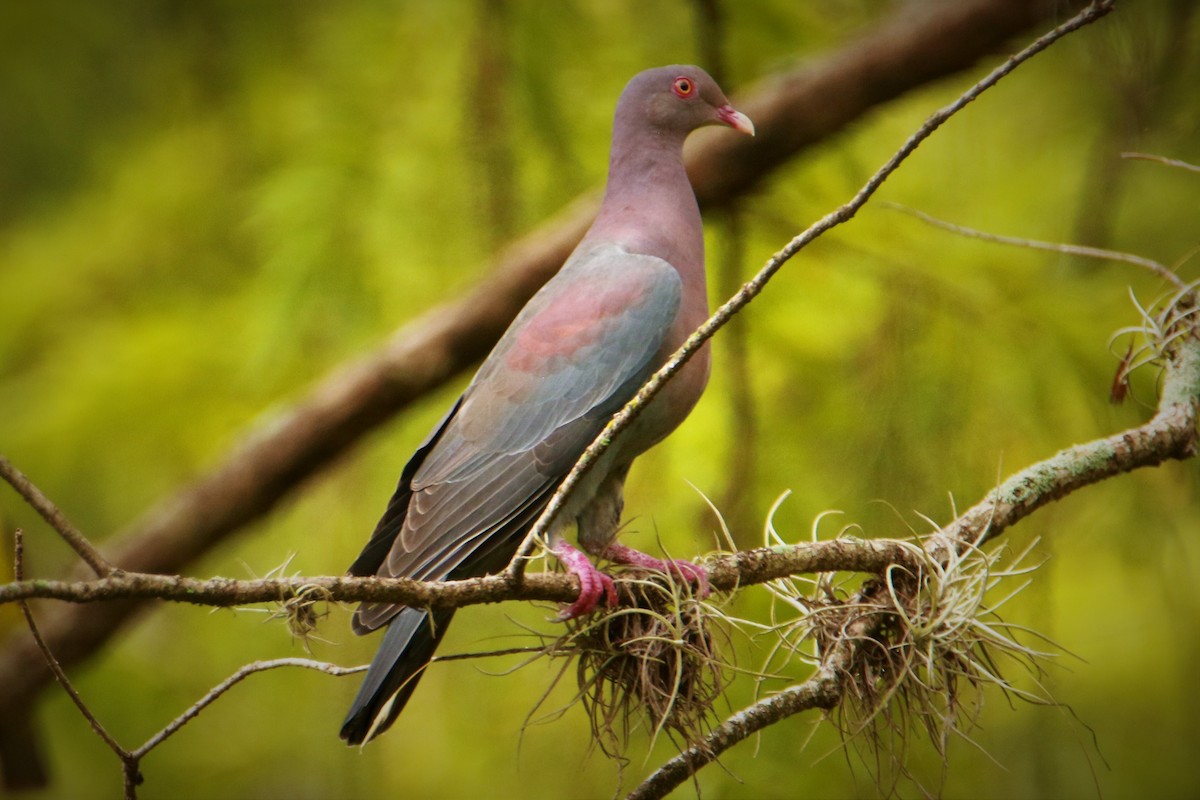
{"x": 622, "y": 303}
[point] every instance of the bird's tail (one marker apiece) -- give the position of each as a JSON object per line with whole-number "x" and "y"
{"x": 407, "y": 647}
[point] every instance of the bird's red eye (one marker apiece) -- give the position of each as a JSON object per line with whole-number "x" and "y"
{"x": 684, "y": 87}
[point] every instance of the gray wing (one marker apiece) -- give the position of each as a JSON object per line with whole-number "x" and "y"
{"x": 577, "y": 352}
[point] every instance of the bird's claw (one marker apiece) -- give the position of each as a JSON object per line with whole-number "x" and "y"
{"x": 593, "y": 584}
{"x": 689, "y": 571}
{"x": 592, "y": 587}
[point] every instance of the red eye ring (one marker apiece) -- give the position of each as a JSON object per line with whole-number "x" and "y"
{"x": 684, "y": 87}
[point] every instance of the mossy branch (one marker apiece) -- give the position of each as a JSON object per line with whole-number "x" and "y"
{"x": 1170, "y": 435}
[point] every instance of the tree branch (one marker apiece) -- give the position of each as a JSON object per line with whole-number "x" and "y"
{"x": 54, "y": 518}
{"x": 1149, "y": 264}
{"x": 727, "y": 572}
{"x": 224, "y": 686}
{"x": 132, "y": 779}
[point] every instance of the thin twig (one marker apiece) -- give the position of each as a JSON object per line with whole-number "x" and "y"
{"x": 55, "y": 518}
{"x": 1159, "y": 269}
{"x": 1170, "y": 162}
{"x": 228, "y": 683}
{"x": 752, "y": 288}
{"x": 128, "y": 760}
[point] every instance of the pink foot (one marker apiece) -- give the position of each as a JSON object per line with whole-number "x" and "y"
{"x": 592, "y": 582}
{"x": 692, "y": 573}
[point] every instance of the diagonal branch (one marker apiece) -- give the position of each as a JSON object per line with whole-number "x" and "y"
{"x": 54, "y": 518}
{"x": 1170, "y": 162}
{"x": 60, "y": 675}
{"x": 212, "y": 695}
{"x": 752, "y": 288}
{"x": 1155, "y": 267}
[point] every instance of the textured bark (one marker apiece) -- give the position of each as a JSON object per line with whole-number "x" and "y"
{"x": 791, "y": 111}
{"x": 727, "y": 572}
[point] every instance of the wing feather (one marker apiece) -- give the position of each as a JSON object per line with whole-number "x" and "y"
{"x": 575, "y": 354}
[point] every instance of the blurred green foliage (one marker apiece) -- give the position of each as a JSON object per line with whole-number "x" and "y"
{"x": 204, "y": 206}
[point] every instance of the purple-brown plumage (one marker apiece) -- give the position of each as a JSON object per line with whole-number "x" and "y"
{"x": 623, "y": 302}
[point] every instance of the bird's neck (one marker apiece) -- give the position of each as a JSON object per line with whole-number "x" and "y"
{"x": 649, "y": 206}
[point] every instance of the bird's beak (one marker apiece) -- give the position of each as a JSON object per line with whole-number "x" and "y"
{"x": 735, "y": 119}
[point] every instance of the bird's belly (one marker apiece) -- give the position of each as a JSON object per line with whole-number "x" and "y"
{"x": 669, "y": 408}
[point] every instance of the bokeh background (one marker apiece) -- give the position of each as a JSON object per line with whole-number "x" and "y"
{"x": 205, "y": 206}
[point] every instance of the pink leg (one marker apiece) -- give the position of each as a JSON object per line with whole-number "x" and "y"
{"x": 693, "y": 573}
{"x": 592, "y": 582}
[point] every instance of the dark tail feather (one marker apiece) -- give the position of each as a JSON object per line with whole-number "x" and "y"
{"x": 407, "y": 647}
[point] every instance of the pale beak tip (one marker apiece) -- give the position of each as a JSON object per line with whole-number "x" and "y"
{"x": 735, "y": 119}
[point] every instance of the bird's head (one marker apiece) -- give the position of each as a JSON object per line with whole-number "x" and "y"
{"x": 679, "y": 99}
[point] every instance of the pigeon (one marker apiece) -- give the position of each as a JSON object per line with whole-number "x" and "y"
{"x": 623, "y": 302}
